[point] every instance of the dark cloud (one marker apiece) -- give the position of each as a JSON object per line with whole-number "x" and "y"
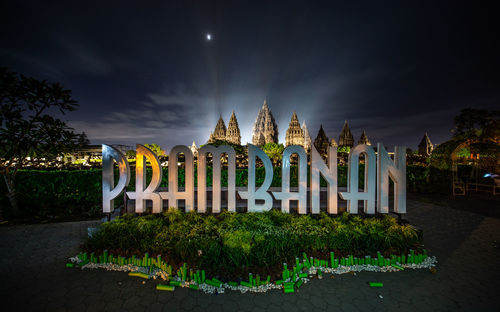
{"x": 143, "y": 72}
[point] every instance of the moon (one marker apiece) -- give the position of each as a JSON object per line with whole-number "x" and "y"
{"x": 209, "y": 37}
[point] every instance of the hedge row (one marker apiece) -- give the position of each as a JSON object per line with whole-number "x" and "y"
{"x": 78, "y": 192}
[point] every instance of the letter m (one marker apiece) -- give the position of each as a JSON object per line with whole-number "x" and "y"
{"x": 217, "y": 153}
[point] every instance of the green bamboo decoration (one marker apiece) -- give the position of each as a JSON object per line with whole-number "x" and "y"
{"x": 139, "y": 274}
{"x": 246, "y": 284}
{"x": 193, "y": 286}
{"x": 165, "y": 287}
{"x": 376, "y": 284}
{"x": 291, "y": 277}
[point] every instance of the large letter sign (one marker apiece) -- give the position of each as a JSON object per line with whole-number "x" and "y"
{"x": 397, "y": 171}
{"x": 353, "y": 195}
{"x": 173, "y": 194}
{"x": 216, "y": 183}
{"x": 109, "y": 192}
{"x": 143, "y": 193}
{"x": 375, "y": 193}
{"x": 252, "y": 195}
{"x": 285, "y": 195}
{"x": 329, "y": 174}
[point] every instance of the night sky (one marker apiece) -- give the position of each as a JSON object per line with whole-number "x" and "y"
{"x": 145, "y": 73}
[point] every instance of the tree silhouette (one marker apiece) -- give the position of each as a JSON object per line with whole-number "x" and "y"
{"x": 28, "y": 127}
{"x": 477, "y": 124}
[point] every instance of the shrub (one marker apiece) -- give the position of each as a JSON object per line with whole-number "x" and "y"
{"x": 233, "y": 241}
{"x": 58, "y": 193}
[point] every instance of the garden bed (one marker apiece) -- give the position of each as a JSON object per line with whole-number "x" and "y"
{"x": 231, "y": 245}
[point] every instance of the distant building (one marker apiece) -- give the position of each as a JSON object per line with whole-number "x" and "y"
{"x": 194, "y": 149}
{"x": 233, "y": 131}
{"x": 294, "y": 133}
{"x": 260, "y": 140}
{"x": 322, "y": 143}
{"x": 307, "y": 137}
{"x": 231, "y": 134}
{"x": 265, "y": 130}
{"x": 266, "y": 126}
{"x": 345, "y": 138}
{"x": 364, "y": 139}
{"x": 219, "y": 132}
{"x": 425, "y": 147}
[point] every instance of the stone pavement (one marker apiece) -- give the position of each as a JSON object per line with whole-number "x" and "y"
{"x": 34, "y": 277}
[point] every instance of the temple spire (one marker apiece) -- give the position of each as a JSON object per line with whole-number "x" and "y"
{"x": 364, "y": 139}
{"x": 294, "y": 133}
{"x": 345, "y": 138}
{"x": 265, "y": 125}
{"x": 219, "y": 133}
{"x": 322, "y": 143}
{"x": 233, "y": 130}
{"x": 307, "y": 137}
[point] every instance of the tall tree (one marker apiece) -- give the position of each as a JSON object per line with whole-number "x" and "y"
{"x": 275, "y": 152}
{"x": 27, "y": 124}
{"x": 477, "y": 124}
{"x": 156, "y": 149}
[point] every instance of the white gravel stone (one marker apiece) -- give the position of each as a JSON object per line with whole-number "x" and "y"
{"x": 428, "y": 263}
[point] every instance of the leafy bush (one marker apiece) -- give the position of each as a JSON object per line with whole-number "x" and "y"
{"x": 58, "y": 193}
{"x": 233, "y": 241}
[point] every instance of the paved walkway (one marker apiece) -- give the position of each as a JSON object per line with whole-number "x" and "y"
{"x": 33, "y": 275}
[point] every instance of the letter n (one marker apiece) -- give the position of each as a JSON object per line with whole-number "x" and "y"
{"x": 397, "y": 171}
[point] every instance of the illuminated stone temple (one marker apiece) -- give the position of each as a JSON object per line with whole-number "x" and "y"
{"x": 265, "y": 130}
{"x": 364, "y": 139}
{"x": 322, "y": 143}
{"x": 233, "y": 130}
{"x": 294, "y": 133}
{"x": 265, "y": 127}
{"x": 346, "y": 138}
{"x": 231, "y": 134}
{"x": 219, "y": 133}
{"x": 307, "y": 137}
